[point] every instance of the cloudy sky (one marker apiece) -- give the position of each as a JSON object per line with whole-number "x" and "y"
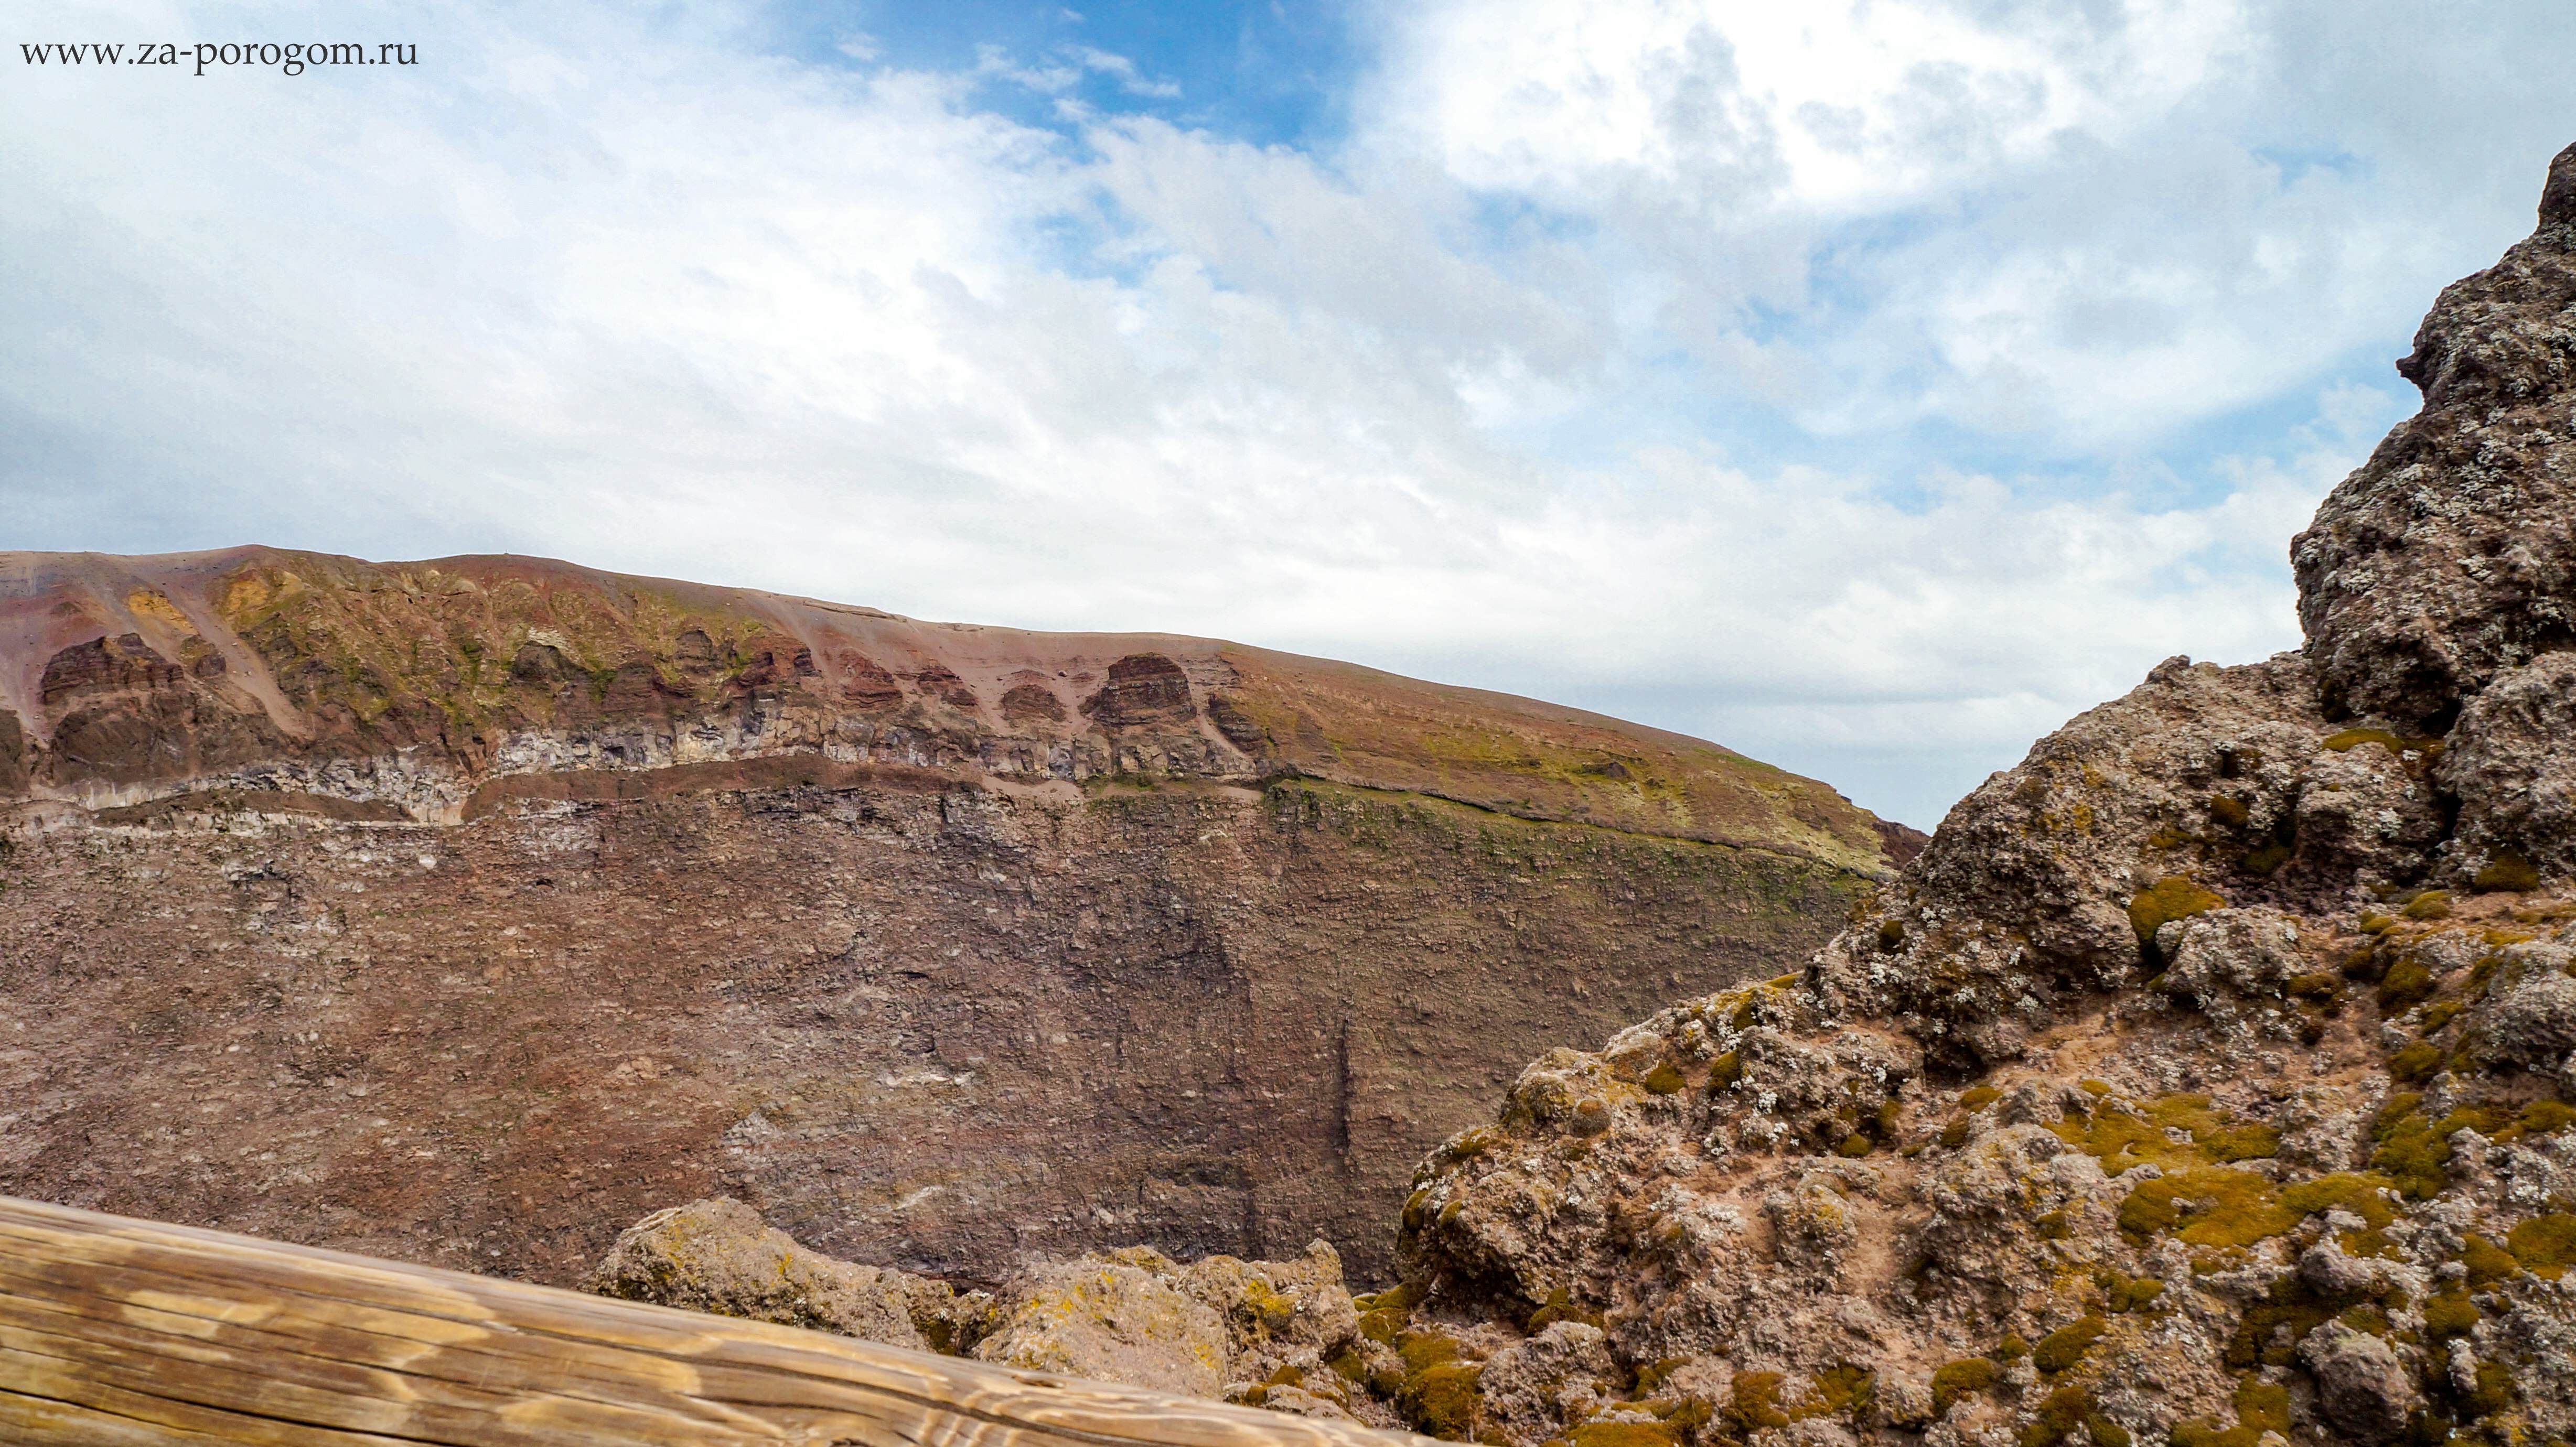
{"x": 1867, "y": 386}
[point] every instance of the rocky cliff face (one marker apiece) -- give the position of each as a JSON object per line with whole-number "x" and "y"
{"x": 462, "y": 911}
{"x": 2208, "y": 1078}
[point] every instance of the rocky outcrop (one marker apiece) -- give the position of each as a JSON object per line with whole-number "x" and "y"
{"x": 2510, "y": 765}
{"x": 2209, "y": 1078}
{"x": 460, "y": 911}
{"x": 2450, "y": 556}
{"x": 1265, "y": 1332}
{"x": 717, "y": 1256}
{"x": 1279, "y": 1334}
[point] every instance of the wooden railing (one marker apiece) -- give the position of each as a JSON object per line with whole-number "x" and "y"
{"x": 128, "y": 1333}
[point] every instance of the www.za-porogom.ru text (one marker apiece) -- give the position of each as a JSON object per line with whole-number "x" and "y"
{"x": 291, "y": 59}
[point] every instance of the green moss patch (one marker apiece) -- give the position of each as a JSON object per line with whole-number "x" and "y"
{"x": 1754, "y": 1403}
{"x": 2507, "y": 871}
{"x": 1958, "y": 1381}
{"x": 2415, "y": 1150}
{"x": 1442, "y": 1400}
{"x": 2206, "y": 1206}
{"x": 2059, "y": 1415}
{"x": 2407, "y": 984}
{"x": 2544, "y": 1245}
{"x": 2416, "y": 1063}
{"x": 2545, "y": 1117}
{"x": 1623, "y": 1434}
{"x": 2120, "y": 1139}
{"x": 2266, "y": 859}
{"x": 1724, "y": 1071}
{"x": 1561, "y": 1306}
{"x": 2449, "y": 1315}
{"x": 2487, "y": 1262}
{"x": 2263, "y": 1406}
{"x": 2431, "y": 904}
{"x": 1843, "y": 1390}
{"x": 2253, "y": 1141}
{"x": 2409, "y": 1149}
{"x": 2128, "y": 1293}
{"x": 2394, "y": 743}
{"x": 2258, "y": 1339}
{"x": 2061, "y": 1349}
{"x": 2170, "y": 898}
{"x": 2356, "y": 1192}
{"x": 2320, "y": 985}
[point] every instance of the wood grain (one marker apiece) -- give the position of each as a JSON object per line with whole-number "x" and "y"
{"x": 116, "y": 1332}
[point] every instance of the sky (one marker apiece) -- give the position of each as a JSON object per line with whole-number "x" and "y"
{"x": 1867, "y": 386}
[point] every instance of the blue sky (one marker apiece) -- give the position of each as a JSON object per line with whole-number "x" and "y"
{"x": 1868, "y": 386}
{"x": 1269, "y": 74}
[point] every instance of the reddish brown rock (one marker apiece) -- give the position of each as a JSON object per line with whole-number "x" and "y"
{"x": 491, "y": 903}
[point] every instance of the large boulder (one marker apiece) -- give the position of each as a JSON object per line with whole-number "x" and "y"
{"x": 1115, "y": 1316}
{"x": 2365, "y": 1389}
{"x": 1249, "y": 1330}
{"x": 719, "y": 1256}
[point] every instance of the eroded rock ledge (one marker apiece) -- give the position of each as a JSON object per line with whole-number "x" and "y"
{"x": 189, "y": 686}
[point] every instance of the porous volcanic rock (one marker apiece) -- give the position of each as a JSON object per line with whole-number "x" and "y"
{"x": 2511, "y": 762}
{"x": 1265, "y": 1332}
{"x": 2451, "y": 555}
{"x": 462, "y": 911}
{"x": 1280, "y": 1334}
{"x": 2204, "y": 786}
{"x": 2209, "y": 1078}
{"x": 717, "y": 1256}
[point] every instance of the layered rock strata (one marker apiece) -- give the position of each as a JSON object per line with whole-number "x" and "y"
{"x": 459, "y": 911}
{"x": 2210, "y": 1078}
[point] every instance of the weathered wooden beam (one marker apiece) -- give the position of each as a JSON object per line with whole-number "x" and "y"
{"x": 126, "y": 1333}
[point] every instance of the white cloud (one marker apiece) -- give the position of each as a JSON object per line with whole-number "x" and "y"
{"x": 1734, "y": 106}
{"x": 2079, "y": 226}
{"x": 1485, "y": 395}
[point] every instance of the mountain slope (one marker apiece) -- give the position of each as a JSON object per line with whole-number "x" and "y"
{"x": 422, "y": 688}
{"x": 465, "y": 910}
